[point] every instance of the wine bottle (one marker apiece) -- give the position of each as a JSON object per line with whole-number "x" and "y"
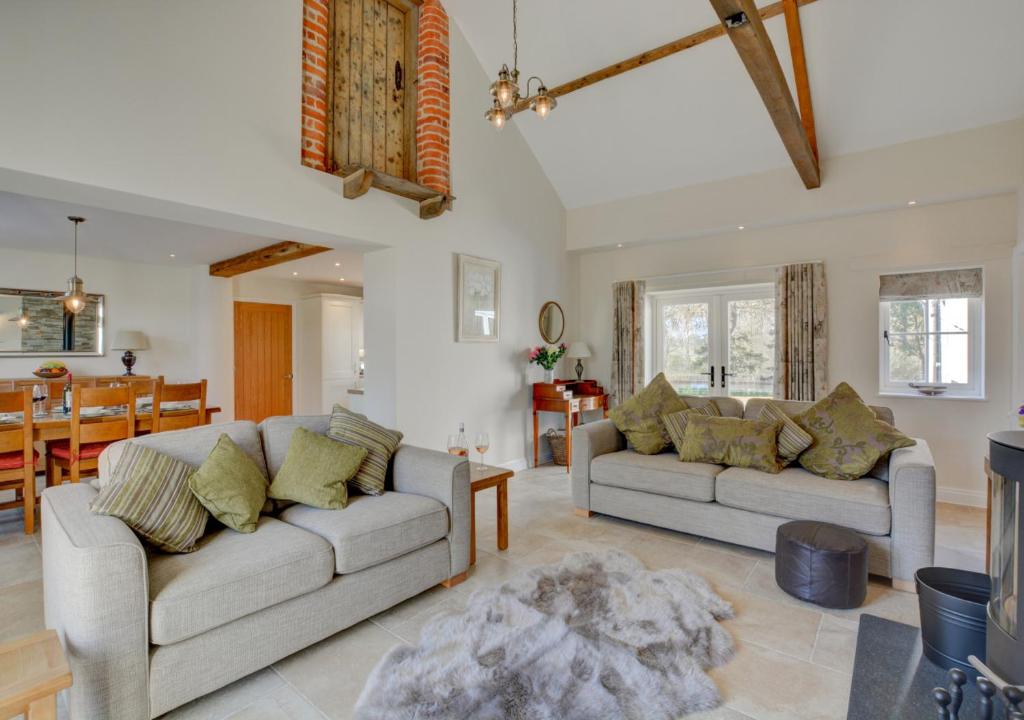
{"x": 67, "y": 395}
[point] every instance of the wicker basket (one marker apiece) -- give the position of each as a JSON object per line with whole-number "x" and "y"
{"x": 557, "y": 440}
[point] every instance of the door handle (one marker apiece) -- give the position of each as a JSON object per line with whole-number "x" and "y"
{"x": 725, "y": 375}
{"x": 711, "y": 372}
{"x": 289, "y": 376}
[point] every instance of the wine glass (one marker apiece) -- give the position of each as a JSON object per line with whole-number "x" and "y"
{"x": 482, "y": 443}
{"x": 455, "y": 447}
{"x": 39, "y": 396}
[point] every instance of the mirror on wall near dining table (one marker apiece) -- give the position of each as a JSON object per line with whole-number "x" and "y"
{"x": 35, "y": 322}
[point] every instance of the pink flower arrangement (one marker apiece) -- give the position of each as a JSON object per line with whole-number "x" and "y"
{"x": 547, "y": 356}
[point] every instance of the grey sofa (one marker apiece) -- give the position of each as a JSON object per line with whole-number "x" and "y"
{"x": 893, "y": 508}
{"x": 147, "y": 631}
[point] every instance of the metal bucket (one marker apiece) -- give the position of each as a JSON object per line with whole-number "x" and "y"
{"x": 953, "y": 615}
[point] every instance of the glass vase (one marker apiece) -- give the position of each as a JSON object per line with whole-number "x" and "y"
{"x": 549, "y": 375}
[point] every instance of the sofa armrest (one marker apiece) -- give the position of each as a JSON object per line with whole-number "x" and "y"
{"x": 444, "y": 478}
{"x": 588, "y": 442}
{"x": 912, "y": 499}
{"x": 96, "y": 596}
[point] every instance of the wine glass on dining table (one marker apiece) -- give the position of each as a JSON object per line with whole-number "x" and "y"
{"x": 40, "y": 394}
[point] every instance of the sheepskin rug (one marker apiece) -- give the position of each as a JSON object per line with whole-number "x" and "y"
{"x": 596, "y": 637}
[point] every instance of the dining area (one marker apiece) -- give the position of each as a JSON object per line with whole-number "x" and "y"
{"x": 58, "y": 427}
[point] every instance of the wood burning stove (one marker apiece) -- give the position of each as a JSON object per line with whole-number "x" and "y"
{"x": 1005, "y": 627}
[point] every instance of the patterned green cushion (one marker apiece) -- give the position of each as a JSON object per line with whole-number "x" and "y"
{"x": 675, "y": 423}
{"x": 380, "y": 443}
{"x": 316, "y": 470}
{"x": 732, "y": 441}
{"x": 793, "y": 439}
{"x": 231, "y": 486}
{"x": 639, "y": 418}
{"x": 149, "y": 492}
{"x": 848, "y": 437}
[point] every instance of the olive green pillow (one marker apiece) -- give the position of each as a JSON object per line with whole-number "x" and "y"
{"x": 231, "y": 486}
{"x": 848, "y": 437}
{"x": 316, "y": 470}
{"x": 732, "y": 441}
{"x": 639, "y": 418}
{"x": 148, "y": 491}
{"x": 793, "y": 439}
{"x": 676, "y": 422}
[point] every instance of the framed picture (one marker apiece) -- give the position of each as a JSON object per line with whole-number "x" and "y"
{"x": 479, "y": 301}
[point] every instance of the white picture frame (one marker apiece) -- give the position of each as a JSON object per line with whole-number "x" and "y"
{"x": 479, "y": 300}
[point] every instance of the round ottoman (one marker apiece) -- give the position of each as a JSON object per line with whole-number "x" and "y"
{"x": 822, "y": 563}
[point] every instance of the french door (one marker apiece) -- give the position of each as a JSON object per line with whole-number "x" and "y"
{"x": 719, "y": 341}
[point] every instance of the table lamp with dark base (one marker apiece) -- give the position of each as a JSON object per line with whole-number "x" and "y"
{"x": 578, "y": 350}
{"x": 129, "y": 341}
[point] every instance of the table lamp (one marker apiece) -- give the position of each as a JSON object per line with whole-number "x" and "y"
{"x": 129, "y": 341}
{"x": 578, "y": 350}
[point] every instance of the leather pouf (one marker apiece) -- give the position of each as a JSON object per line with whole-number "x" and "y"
{"x": 822, "y": 563}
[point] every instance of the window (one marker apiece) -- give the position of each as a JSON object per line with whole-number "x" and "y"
{"x": 932, "y": 332}
{"x": 718, "y": 341}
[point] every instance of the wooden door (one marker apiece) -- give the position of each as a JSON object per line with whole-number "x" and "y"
{"x": 263, "y": 360}
{"x": 373, "y": 72}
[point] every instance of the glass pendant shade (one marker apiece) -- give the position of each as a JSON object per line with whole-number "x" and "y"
{"x": 504, "y": 89}
{"x": 74, "y": 298}
{"x": 496, "y": 116}
{"x": 543, "y": 103}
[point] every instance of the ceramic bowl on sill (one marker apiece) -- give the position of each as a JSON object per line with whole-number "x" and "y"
{"x": 929, "y": 389}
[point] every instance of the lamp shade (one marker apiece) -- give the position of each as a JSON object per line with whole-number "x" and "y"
{"x": 130, "y": 340}
{"x": 578, "y": 350}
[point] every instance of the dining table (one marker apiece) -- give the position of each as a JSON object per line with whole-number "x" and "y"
{"x": 56, "y": 424}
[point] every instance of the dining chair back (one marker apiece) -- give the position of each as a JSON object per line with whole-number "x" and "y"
{"x": 80, "y": 454}
{"x": 55, "y": 389}
{"x": 165, "y": 419}
{"x": 17, "y": 457}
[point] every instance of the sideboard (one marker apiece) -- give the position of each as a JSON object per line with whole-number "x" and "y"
{"x": 569, "y": 398}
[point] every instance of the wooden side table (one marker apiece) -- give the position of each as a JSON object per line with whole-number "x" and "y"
{"x": 570, "y": 398}
{"x": 33, "y": 670}
{"x": 483, "y": 477}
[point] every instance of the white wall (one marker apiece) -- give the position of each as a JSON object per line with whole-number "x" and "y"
{"x": 158, "y": 300}
{"x": 855, "y": 251}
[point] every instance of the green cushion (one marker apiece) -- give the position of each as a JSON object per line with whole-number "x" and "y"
{"x": 732, "y": 441}
{"x": 231, "y": 486}
{"x": 148, "y": 491}
{"x": 676, "y": 422}
{"x": 793, "y": 439}
{"x": 639, "y": 418}
{"x": 380, "y": 444}
{"x": 848, "y": 437}
{"x": 316, "y": 470}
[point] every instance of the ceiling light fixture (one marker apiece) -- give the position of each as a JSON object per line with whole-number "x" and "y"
{"x": 294, "y": 273}
{"x": 912, "y": 203}
{"x": 505, "y": 90}
{"x": 341, "y": 279}
{"x": 172, "y": 256}
{"x": 741, "y": 227}
{"x": 337, "y": 264}
{"x": 74, "y": 298}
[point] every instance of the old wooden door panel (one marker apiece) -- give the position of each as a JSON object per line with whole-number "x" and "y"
{"x": 263, "y": 360}
{"x": 370, "y": 110}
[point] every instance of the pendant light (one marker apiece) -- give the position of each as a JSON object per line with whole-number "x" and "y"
{"x": 74, "y": 298}
{"x": 505, "y": 90}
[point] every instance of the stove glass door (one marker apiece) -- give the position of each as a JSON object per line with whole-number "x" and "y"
{"x": 1005, "y": 551}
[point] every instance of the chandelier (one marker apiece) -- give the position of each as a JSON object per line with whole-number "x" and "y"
{"x": 505, "y": 90}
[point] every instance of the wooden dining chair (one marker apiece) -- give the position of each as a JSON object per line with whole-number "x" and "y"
{"x": 164, "y": 420}
{"x": 17, "y": 457}
{"x": 79, "y": 455}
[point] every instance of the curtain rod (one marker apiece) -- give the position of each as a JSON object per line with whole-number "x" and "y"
{"x": 728, "y": 270}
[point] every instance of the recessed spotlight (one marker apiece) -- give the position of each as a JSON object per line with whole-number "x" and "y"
{"x": 337, "y": 264}
{"x": 294, "y": 273}
{"x": 619, "y": 245}
{"x": 341, "y": 279}
{"x": 172, "y": 256}
{"x": 912, "y": 203}
{"x": 741, "y": 227}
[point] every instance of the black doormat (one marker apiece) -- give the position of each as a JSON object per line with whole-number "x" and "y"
{"x": 893, "y": 680}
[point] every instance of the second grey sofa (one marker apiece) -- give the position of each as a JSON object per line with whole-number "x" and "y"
{"x": 146, "y": 631}
{"x": 893, "y": 508}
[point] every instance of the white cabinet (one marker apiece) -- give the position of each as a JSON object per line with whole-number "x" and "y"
{"x": 330, "y": 340}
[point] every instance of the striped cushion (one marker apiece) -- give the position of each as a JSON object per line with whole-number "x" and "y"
{"x": 380, "y": 443}
{"x": 149, "y": 492}
{"x": 676, "y": 422}
{"x": 793, "y": 439}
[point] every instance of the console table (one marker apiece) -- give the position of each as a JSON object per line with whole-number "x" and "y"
{"x": 569, "y": 398}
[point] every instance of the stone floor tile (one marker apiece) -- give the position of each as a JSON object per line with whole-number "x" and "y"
{"x": 779, "y": 626}
{"x": 21, "y": 609}
{"x": 237, "y": 696}
{"x": 836, "y": 645}
{"x": 20, "y": 562}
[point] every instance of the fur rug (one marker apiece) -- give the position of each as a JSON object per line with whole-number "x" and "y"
{"x": 596, "y": 637}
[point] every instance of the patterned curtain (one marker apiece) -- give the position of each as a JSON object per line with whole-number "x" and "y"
{"x": 627, "y": 339}
{"x": 801, "y": 332}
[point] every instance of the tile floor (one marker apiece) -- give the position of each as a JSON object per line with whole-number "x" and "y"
{"x": 793, "y": 661}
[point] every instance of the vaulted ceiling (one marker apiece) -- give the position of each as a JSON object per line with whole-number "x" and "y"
{"x": 881, "y": 72}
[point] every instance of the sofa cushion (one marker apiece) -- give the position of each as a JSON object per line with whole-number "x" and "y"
{"x": 380, "y": 444}
{"x": 230, "y": 486}
{"x": 232, "y": 575}
{"x": 794, "y": 493}
{"x": 732, "y": 441}
{"x": 316, "y": 471}
{"x": 276, "y": 434}
{"x": 675, "y": 423}
{"x": 373, "y": 528}
{"x": 661, "y": 474}
{"x": 639, "y": 417}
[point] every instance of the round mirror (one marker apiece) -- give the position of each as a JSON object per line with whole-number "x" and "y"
{"x": 552, "y": 322}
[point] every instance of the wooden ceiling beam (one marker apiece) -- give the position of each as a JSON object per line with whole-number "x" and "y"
{"x": 269, "y": 256}
{"x": 746, "y": 30}
{"x": 658, "y": 53}
{"x": 803, "y": 86}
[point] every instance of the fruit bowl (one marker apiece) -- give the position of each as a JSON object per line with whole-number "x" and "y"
{"x": 50, "y": 371}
